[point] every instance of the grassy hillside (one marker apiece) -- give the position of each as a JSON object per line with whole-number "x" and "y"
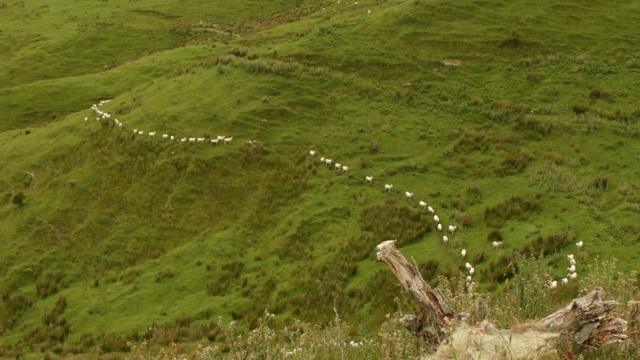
{"x": 515, "y": 121}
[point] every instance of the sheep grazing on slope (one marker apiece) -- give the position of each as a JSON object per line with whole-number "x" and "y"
{"x": 408, "y": 195}
{"x": 422, "y": 204}
{"x": 388, "y": 187}
{"x": 452, "y": 228}
{"x": 369, "y": 179}
{"x": 312, "y": 153}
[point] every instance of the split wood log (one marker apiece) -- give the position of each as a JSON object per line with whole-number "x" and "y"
{"x": 584, "y": 319}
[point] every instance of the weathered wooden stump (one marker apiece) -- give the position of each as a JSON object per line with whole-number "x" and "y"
{"x": 584, "y": 319}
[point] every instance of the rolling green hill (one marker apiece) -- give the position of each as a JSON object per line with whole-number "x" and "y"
{"x": 517, "y": 121}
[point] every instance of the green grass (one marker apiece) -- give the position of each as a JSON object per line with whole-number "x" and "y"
{"x": 136, "y": 231}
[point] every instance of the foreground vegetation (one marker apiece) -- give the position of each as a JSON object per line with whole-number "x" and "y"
{"x": 517, "y": 126}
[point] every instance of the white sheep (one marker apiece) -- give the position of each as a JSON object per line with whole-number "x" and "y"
{"x": 135, "y": 131}
{"x": 472, "y": 271}
{"x": 328, "y": 162}
{"x": 337, "y": 166}
{"x": 439, "y": 227}
{"x": 152, "y": 134}
{"x": 573, "y": 275}
{"x": 345, "y": 168}
{"x": 312, "y": 153}
{"x": 214, "y": 141}
{"x": 572, "y": 269}
{"x": 570, "y": 256}
{"x": 408, "y": 195}
{"x": 165, "y": 136}
{"x": 579, "y": 244}
{"x": 183, "y": 140}
{"x": 192, "y": 140}
{"x": 468, "y": 266}
{"x": 200, "y": 140}
{"x": 227, "y": 140}
{"x": 322, "y": 160}
{"x": 452, "y": 228}
{"x": 445, "y": 239}
{"x": 564, "y": 281}
{"x": 368, "y": 179}
{"x": 497, "y": 244}
{"x": 572, "y": 261}
{"x": 553, "y": 284}
{"x": 463, "y": 252}
{"x": 422, "y": 204}
{"x": 140, "y": 132}
{"x": 86, "y": 119}
{"x": 436, "y": 218}
{"x": 172, "y": 138}
{"x": 388, "y": 187}
{"x": 430, "y": 209}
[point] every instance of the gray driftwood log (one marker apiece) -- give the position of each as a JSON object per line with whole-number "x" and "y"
{"x": 584, "y": 319}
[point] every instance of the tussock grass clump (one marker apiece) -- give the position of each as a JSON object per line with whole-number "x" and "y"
{"x": 515, "y": 207}
{"x": 535, "y": 127}
{"x": 633, "y": 64}
{"x": 471, "y": 141}
{"x": 599, "y": 93}
{"x": 550, "y": 244}
{"x": 494, "y": 235}
{"x": 514, "y": 162}
{"x": 54, "y": 330}
{"x": 392, "y": 221}
{"x": 579, "y": 108}
{"x": 600, "y": 182}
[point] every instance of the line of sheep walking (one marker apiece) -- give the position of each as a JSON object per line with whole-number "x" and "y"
{"x": 389, "y": 188}
{"x": 103, "y": 115}
{"x": 572, "y": 269}
{"x": 452, "y": 228}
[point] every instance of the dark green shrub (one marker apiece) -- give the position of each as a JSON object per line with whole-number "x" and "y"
{"x": 494, "y": 235}
{"x": 514, "y": 207}
{"x": 478, "y": 257}
{"x": 600, "y": 182}
{"x": 579, "y": 109}
{"x": 18, "y": 199}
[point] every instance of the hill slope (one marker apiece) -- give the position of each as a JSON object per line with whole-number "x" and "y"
{"x": 516, "y": 122}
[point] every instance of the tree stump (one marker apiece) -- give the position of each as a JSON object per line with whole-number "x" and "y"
{"x": 584, "y": 319}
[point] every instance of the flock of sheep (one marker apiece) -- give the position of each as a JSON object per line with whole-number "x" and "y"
{"x": 572, "y": 269}
{"x": 103, "y": 115}
{"x": 452, "y": 228}
{"x": 408, "y": 196}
